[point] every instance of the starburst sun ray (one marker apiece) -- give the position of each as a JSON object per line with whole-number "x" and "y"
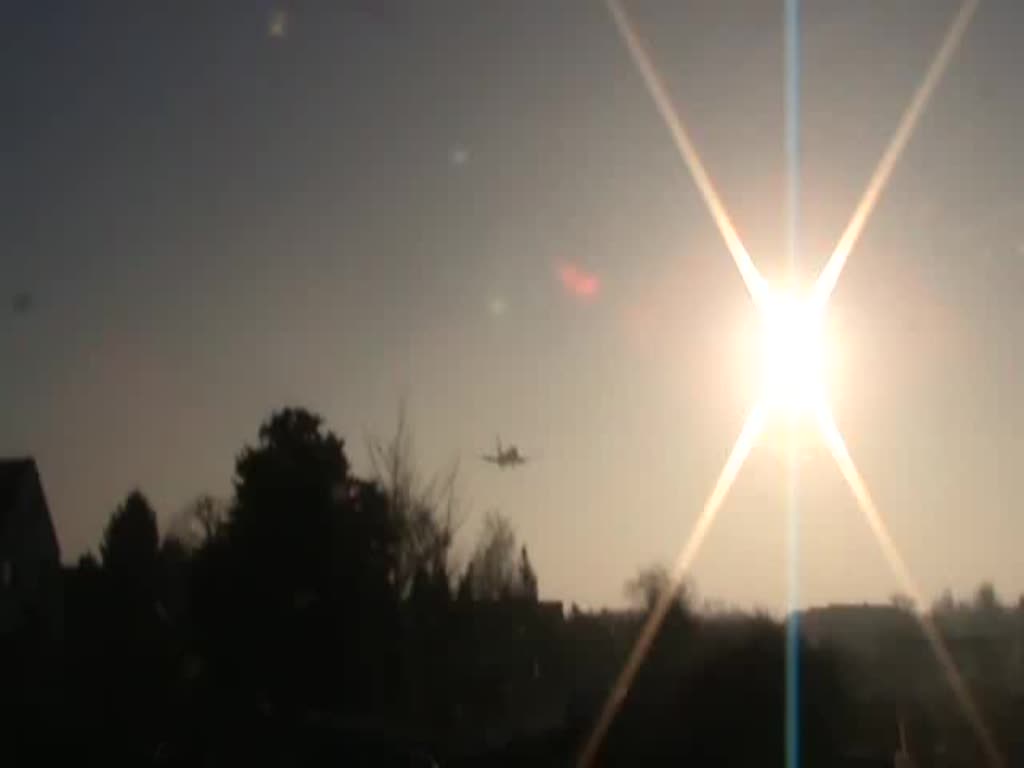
{"x": 737, "y": 456}
{"x": 837, "y": 446}
{"x": 793, "y": 326}
{"x": 837, "y": 261}
{"x": 688, "y": 151}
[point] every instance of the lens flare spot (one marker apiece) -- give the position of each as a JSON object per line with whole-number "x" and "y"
{"x": 578, "y": 281}
{"x": 277, "y": 24}
{"x": 497, "y": 306}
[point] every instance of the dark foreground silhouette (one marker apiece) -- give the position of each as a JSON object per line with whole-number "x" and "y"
{"x": 316, "y": 618}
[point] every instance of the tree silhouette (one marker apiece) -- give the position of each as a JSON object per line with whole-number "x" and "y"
{"x": 464, "y": 593}
{"x": 650, "y": 583}
{"x": 426, "y": 511}
{"x": 902, "y": 602}
{"x": 493, "y": 571}
{"x": 315, "y": 608}
{"x": 527, "y": 576}
{"x": 133, "y": 646}
{"x": 986, "y": 601}
{"x": 292, "y": 490}
{"x": 130, "y": 545}
{"x": 297, "y": 468}
{"x": 309, "y": 557}
{"x": 200, "y": 521}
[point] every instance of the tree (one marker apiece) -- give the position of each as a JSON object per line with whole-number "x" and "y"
{"x": 493, "y": 567}
{"x": 311, "y": 554}
{"x": 293, "y": 501}
{"x": 296, "y": 463}
{"x": 902, "y": 602}
{"x": 132, "y": 647}
{"x": 987, "y": 606}
{"x": 945, "y": 605}
{"x": 986, "y": 602}
{"x": 201, "y": 519}
{"x": 527, "y": 577}
{"x": 130, "y": 544}
{"x": 494, "y": 572}
{"x": 425, "y": 511}
{"x": 464, "y": 594}
{"x": 650, "y": 583}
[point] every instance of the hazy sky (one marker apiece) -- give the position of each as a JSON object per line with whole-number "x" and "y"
{"x": 223, "y": 208}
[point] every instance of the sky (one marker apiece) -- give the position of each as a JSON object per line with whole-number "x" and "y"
{"x": 221, "y": 209}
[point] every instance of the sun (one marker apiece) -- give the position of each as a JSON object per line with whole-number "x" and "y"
{"x": 792, "y": 354}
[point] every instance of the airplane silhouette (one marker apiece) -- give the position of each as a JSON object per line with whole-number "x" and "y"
{"x": 505, "y": 457}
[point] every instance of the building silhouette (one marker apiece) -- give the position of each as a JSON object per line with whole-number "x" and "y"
{"x": 30, "y": 575}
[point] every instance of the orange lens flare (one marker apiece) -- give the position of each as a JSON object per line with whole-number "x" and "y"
{"x": 740, "y": 450}
{"x": 578, "y": 281}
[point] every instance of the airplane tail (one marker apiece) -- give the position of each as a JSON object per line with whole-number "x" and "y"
{"x": 497, "y": 439}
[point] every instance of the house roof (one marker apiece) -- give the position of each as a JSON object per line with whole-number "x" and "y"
{"x": 13, "y": 475}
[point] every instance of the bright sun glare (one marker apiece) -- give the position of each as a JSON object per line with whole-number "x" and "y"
{"x": 794, "y": 358}
{"x": 792, "y": 354}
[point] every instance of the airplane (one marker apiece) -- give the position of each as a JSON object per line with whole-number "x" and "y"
{"x": 505, "y": 457}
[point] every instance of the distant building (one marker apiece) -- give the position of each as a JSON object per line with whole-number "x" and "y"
{"x": 30, "y": 575}
{"x": 865, "y": 629}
